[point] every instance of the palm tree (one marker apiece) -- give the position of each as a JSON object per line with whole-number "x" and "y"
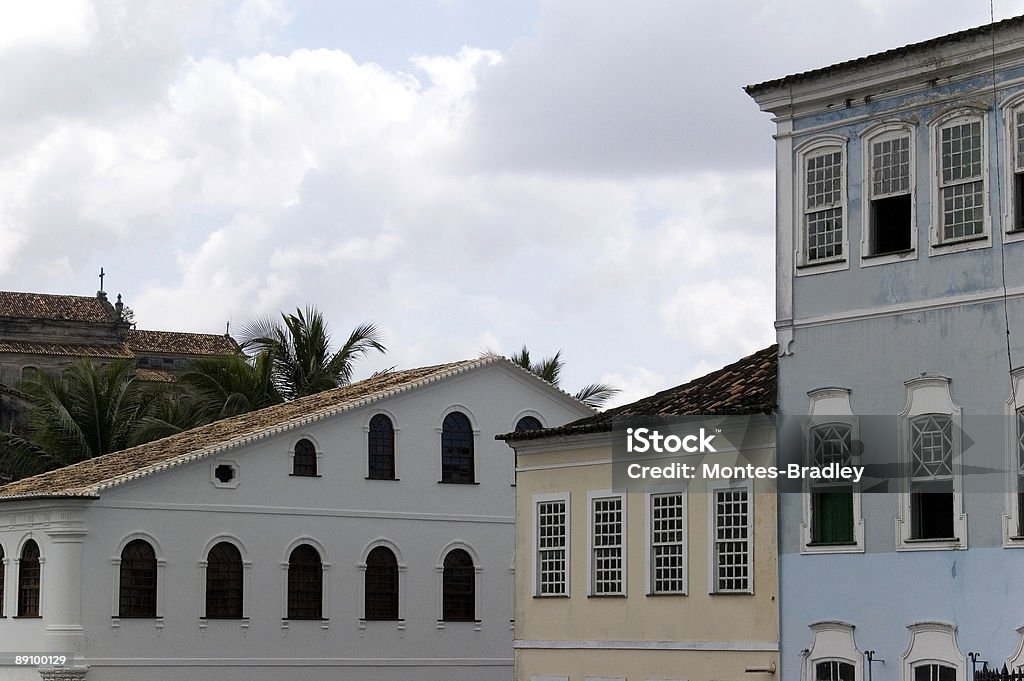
{"x": 229, "y": 385}
{"x": 594, "y": 395}
{"x": 84, "y": 412}
{"x": 300, "y": 345}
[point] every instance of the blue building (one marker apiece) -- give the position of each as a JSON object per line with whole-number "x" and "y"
{"x": 900, "y": 319}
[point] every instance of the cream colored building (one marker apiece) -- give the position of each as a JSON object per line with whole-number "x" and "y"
{"x": 641, "y": 580}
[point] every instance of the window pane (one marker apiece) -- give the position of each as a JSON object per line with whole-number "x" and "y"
{"x": 732, "y": 540}
{"x": 824, "y": 180}
{"x": 551, "y": 563}
{"x": 832, "y": 516}
{"x": 931, "y": 446}
{"x": 137, "y": 595}
{"x": 457, "y": 449}
{"x": 224, "y": 582}
{"x": 305, "y": 584}
{"x": 834, "y": 670}
{"x": 825, "y": 234}
{"x": 381, "y": 452}
{"x": 668, "y": 543}
{"x": 304, "y": 462}
{"x": 963, "y": 210}
{"x": 961, "y": 151}
{"x": 381, "y": 597}
{"x": 28, "y": 580}
{"x": 458, "y": 587}
{"x": 1, "y": 581}
{"x": 528, "y": 423}
{"x": 890, "y": 167}
{"x": 934, "y": 672}
{"x": 607, "y": 562}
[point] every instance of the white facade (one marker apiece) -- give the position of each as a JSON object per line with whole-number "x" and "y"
{"x": 265, "y": 511}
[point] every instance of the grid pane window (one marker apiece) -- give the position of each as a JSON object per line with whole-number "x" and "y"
{"x": 732, "y": 540}
{"x": 607, "y": 535}
{"x": 28, "y": 580}
{"x": 458, "y": 585}
{"x": 1019, "y": 130}
{"x": 931, "y": 445}
{"x": 934, "y": 672}
{"x": 305, "y": 584}
{"x": 304, "y": 462}
{"x": 1020, "y": 472}
{"x": 381, "y": 598}
{"x": 457, "y": 449}
{"x": 551, "y": 548}
{"x": 137, "y": 594}
{"x": 381, "y": 444}
{"x": 963, "y": 190}
{"x": 834, "y": 670}
{"x": 224, "y": 582}
{"x": 668, "y": 543}
{"x": 890, "y": 167}
{"x": 823, "y": 212}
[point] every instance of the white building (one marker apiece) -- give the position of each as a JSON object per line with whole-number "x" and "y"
{"x": 363, "y": 533}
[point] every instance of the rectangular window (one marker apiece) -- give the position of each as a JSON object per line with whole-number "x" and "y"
{"x": 823, "y": 208}
{"x": 668, "y": 543}
{"x": 607, "y": 534}
{"x": 931, "y": 477}
{"x": 1020, "y": 472}
{"x": 831, "y": 504}
{"x": 551, "y": 548}
{"x": 890, "y": 192}
{"x": 1018, "y": 172}
{"x": 732, "y": 540}
{"x": 961, "y": 184}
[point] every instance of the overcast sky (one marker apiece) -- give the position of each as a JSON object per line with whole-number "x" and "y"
{"x": 469, "y": 174}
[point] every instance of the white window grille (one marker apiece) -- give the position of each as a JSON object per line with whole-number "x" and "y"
{"x": 668, "y": 543}
{"x": 823, "y": 207}
{"x": 732, "y": 540}
{"x": 961, "y": 182}
{"x": 551, "y": 548}
{"x": 606, "y": 546}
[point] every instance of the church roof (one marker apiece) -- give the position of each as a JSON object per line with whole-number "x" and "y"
{"x": 54, "y": 307}
{"x": 96, "y": 350}
{"x": 747, "y": 386}
{"x": 88, "y": 478}
{"x": 179, "y": 342}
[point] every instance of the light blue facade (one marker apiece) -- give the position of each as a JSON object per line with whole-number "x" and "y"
{"x": 870, "y": 326}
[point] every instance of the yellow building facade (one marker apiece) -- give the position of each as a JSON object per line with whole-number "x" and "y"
{"x": 650, "y": 579}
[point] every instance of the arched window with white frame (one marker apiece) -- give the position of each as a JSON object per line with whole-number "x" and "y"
{"x": 961, "y": 167}
{"x": 933, "y": 654}
{"x": 833, "y": 654}
{"x": 822, "y": 201}
{"x": 889, "y": 192}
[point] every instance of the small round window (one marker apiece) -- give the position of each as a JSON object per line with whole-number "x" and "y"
{"x": 224, "y": 473}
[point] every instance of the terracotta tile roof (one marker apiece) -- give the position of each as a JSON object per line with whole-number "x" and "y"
{"x": 180, "y": 343}
{"x": 155, "y": 375}
{"x": 97, "y": 350}
{"x": 895, "y": 53}
{"x": 748, "y": 386}
{"x": 54, "y": 307}
{"x": 89, "y": 478}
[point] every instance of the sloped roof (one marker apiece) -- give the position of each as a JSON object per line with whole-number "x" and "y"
{"x": 54, "y": 307}
{"x": 747, "y": 386}
{"x": 879, "y": 57}
{"x": 89, "y": 478}
{"x": 97, "y": 350}
{"x": 141, "y": 341}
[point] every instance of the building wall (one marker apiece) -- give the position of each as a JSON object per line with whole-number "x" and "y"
{"x": 695, "y": 636}
{"x": 341, "y": 512}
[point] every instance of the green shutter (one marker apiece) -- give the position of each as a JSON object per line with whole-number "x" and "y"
{"x": 832, "y": 516}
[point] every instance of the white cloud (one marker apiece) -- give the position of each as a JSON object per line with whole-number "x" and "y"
{"x": 61, "y": 25}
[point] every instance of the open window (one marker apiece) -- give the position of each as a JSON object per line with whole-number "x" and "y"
{"x": 889, "y": 191}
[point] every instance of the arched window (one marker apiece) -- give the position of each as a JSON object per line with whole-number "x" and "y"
{"x": 28, "y": 580}
{"x": 224, "y": 582}
{"x": 934, "y": 672}
{"x": 834, "y": 670}
{"x": 305, "y": 584}
{"x": 457, "y": 449}
{"x": 381, "y": 585}
{"x": 528, "y": 423}
{"x": 304, "y": 461}
{"x": 138, "y": 580}
{"x": 458, "y": 586}
{"x": 381, "y": 448}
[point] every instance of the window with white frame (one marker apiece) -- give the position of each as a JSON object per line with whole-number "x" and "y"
{"x": 823, "y": 198}
{"x": 607, "y": 543}
{"x": 933, "y": 654}
{"x": 931, "y": 497}
{"x": 552, "y": 558}
{"x": 833, "y": 654}
{"x": 961, "y": 170}
{"x": 732, "y": 540}
{"x": 890, "y": 191}
{"x": 667, "y": 524}
{"x": 832, "y": 519}
{"x": 1013, "y": 515}
{"x": 1017, "y": 150}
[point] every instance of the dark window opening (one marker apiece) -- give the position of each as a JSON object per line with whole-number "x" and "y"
{"x": 1018, "y": 201}
{"x": 890, "y": 224}
{"x": 832, "y": 516}
{"x": 528, "y": 423}
{"x": 457, "y": 449}
{"x": 1, "y": 581}
{"x": 304, "y": 461}
{"x": 834, "y": 670}
{"x": 305, "y": 584}
{"x": 458, "y": 587}
{"x": 137, "y": 596}
{"x": 934, "y": 672}
{"x": 381, "y": 598}
{"x": 381, "y": 448}
{"x": 224, "y": 582}
{"x": 932, "y": 510}
{"x": 224, "y": 473}
{"x": 28, "y": 580}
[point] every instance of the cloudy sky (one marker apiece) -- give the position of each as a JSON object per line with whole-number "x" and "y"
{"x": 581, "y": 174}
